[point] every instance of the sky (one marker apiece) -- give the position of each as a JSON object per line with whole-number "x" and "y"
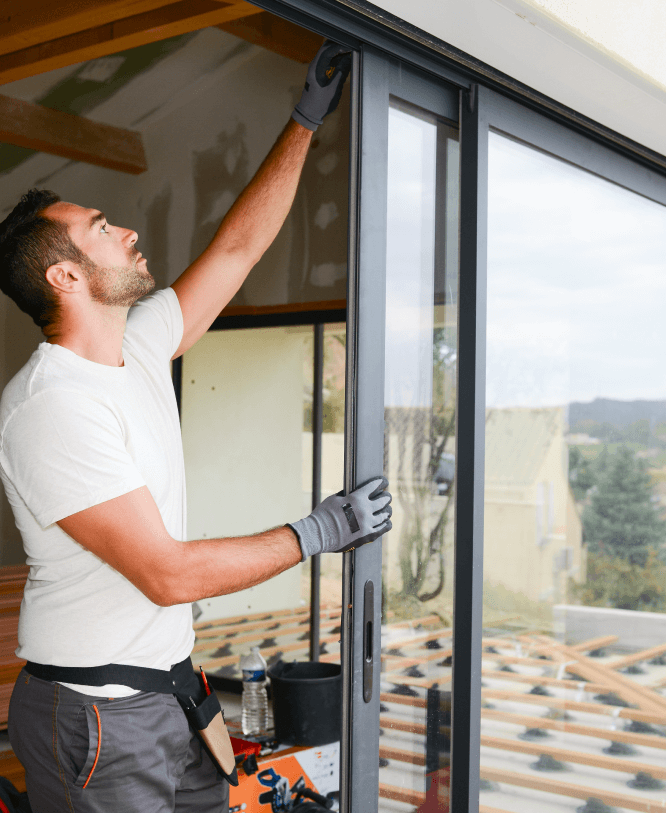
{"x": 576, "y": 284}
{"x": 410, "y": 259}
{"x": 576, "y": 278}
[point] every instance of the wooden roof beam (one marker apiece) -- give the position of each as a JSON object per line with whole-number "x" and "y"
{"x": 167, "y": 21}
{"x": 276, "y": 35}
{"x": 39, "y": 128}
{"x": 31, "y": 22}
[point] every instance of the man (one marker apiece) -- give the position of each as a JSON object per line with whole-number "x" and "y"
{"x": 91, "y": 460}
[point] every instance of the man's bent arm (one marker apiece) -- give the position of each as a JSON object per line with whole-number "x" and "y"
{"x": 128, "y": 533}
{"x": 246, "y": 231}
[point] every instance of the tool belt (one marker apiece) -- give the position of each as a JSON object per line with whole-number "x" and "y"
{"x": 202, "y": 710}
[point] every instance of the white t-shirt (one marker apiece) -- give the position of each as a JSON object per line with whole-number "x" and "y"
{"x": 73, "y": 434}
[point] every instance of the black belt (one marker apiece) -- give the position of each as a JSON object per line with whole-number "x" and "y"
{"x": 180, "y": 680}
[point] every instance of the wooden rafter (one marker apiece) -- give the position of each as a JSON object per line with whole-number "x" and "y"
{"x": 33, "y": 22}
{"x": 277, "y": 35}
{"x": 169, "y": 20}
{"x": 30, "y": 125}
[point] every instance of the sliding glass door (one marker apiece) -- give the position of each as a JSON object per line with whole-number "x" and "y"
{"x": 405, "y": 320}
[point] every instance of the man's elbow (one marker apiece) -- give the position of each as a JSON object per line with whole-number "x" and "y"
{"x": 164, "y": 584}
{"x": 166, "y": 594}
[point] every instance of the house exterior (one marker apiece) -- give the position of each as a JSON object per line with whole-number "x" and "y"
{"x": 533, "y": 530}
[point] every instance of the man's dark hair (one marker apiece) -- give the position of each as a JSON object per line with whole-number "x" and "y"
{"x": 29, "y": 244}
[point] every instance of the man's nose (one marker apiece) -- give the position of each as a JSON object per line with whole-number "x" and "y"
{"x": 133, "y": 237}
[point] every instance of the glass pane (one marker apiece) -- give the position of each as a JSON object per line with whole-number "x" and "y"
{"x": 574, "y": 715}
{"x": 243, "y": 435}
{"x": 419, "y": 455}
{"x": 332, "y": 475}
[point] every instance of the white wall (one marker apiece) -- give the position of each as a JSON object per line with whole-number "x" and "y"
{"x": 565, "y": 51}
{"x": 242, "y": 421}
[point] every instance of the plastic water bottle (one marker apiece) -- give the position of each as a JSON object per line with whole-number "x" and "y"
{"x": 255, "y": 699}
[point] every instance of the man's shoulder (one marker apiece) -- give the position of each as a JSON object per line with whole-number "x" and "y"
{"x": 155, "y": 323}
{"x": 44, "y": 377}
{"x": 17, "y": 391}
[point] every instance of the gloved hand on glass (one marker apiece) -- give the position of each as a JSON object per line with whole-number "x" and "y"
{"x": 343, "y": 522}
{"x": 323, "y": 86}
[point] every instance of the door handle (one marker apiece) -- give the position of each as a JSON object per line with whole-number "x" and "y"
{"x": 368, "y": 639}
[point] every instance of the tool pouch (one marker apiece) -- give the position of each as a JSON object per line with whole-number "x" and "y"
{"x": 207, "y": 720}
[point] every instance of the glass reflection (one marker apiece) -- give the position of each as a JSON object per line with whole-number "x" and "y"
{"x": 574, "y": 716}
{"x": 420, "y": 400}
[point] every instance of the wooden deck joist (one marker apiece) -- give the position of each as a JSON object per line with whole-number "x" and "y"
{"x": 573, "y": 705}
{"x": 538, "y": 680}
{"x": 637, "y": 657}
{"x": 646, "y": 740}
{"x": 403, "y": 700}
{"x": 272, "y": 615}
{"x": 406, "y": 795}
{"x": 402, "y": 725}
{"x": 542, "y": 783}
{"x": 577, "y": 757}
{"x": 401, "y": 755}
{"x": 217, "y": 663}
{"x": 281, "y": 632}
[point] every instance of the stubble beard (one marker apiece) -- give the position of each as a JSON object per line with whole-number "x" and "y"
{"x": 118, "y": 286}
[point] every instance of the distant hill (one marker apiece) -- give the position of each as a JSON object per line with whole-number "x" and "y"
{"x": 618, "y": 413}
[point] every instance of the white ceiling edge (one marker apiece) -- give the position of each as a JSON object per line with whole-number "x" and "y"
{"x": 634, "y": 32}
{"x": 532, "y": 47}
{"x": 593, "y": 49}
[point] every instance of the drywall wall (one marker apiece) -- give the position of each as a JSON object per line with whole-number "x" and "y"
{"x": 242, "y": 420}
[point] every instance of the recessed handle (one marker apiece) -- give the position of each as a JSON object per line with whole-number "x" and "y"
{"x": 368, "y": 639}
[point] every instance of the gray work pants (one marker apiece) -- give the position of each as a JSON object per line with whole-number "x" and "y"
{"x": 86, "y": 754}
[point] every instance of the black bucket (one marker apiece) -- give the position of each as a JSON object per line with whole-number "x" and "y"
{"x": 307, "y": 702}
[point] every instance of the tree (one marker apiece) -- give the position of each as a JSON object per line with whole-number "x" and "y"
{"x": 621, "y": 520}
{"x": 423, "y": 434}
{"x": 615, "y": 582}
{"x": 581, "y": 473}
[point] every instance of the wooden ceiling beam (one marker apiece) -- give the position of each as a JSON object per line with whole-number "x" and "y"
{"x": 276, "y": 35}
{"x": 30, "y": 22}
{"x": 130, "y": 32}
{"x": 39, "y": 128}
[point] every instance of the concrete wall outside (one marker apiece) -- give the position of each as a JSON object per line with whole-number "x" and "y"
{"x": 635, "y": 630}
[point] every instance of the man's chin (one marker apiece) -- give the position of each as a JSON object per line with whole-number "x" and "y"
{"x": 148, "y": 284}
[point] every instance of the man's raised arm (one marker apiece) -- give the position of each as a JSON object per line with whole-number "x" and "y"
{"x": 255, "y": 219}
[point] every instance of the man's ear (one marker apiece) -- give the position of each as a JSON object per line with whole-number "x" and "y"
{"x": 65, "y": 276}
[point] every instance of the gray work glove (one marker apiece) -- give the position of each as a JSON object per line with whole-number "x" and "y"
{"x": 341, "y": 523}
{"x": 323, "y": 85}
